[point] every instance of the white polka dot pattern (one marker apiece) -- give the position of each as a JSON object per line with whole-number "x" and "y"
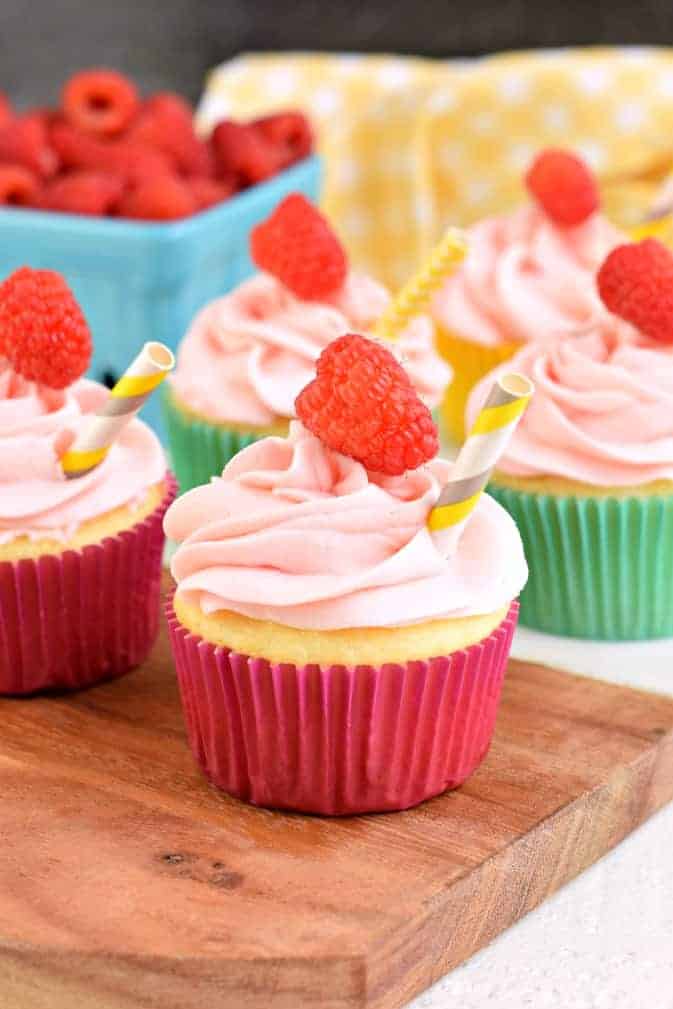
{"x": 411, "y": 145}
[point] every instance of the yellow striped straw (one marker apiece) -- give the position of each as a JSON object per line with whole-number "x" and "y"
{"x": 413, "y": 299}
{"x": 491, "y": 431}
{"x": 654, "y": 227}
{"x": 144, "y": 374}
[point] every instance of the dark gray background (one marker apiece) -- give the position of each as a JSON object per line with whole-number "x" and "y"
{"x": 171, "y": 43}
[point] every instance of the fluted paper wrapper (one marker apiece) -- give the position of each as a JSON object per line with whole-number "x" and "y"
{"x": 339, "y": 740}
{"x": 600, "y": 567}
{"x": 199, "y": 450}
{"x": 71, "y": 620}
{"x": 470, "y": 362}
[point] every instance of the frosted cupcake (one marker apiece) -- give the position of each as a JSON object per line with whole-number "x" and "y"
{"x": 247, "y": 355}
{"x": 527, "y": 276}
{"x": 331, "y": 657}
{"x": 588, "y": 476}
{"x": 80, "y": 560}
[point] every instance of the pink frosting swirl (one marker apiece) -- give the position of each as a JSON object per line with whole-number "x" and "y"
{"x": 36, "y": 425}
{"x": 525, "y": 279}
{"x": 246, "y": 356}
{"x": 295, "y": 533}
{"x": 602, "y": 412}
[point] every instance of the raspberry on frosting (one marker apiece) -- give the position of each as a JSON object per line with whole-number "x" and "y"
{"x": 363, "y": 405}
{"x": 636, "y": 283}
{"x": 297, "y": 245}
{"x": 43, "y": 332}
{"x": 564, "y": 186}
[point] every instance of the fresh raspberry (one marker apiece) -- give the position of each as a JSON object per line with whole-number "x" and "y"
{"x": 362, "y": 403}
{"x": 636, "y": 283}
{"x": 6, "y": 113}
{"x": 290, "y": 133}
{"x": 164, "y": 198}
{"x": 25, "y": 141}
{"x": 42, "y": 329}
{"x": 244, "y": 151}
{"x": 297, "y": 245}
{"x": 18, "y": 186}
{"x": 83, "y": 192}
{"x": 564, "y": 186}
{"x": 134, "y": 162}
{"x": 165, "y": 122}
{"x": 208, "y": 192}
{"x": 102, "y": 102}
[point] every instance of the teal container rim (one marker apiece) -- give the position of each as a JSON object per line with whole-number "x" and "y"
{"x": 87, "y": 226}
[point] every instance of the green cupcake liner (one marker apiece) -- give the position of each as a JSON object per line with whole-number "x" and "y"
{"x": 600, "y": 568}
{"x": 199, "y": 450}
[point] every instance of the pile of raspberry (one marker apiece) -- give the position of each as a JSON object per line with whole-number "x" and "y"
{"x": 105, "y": 150}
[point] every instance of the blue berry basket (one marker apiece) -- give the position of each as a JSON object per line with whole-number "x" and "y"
{"x": 145, "y": 281}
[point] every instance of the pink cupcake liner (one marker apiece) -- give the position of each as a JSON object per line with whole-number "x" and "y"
{"x": 71, "y": 620}
{"x": 339, "y": 740}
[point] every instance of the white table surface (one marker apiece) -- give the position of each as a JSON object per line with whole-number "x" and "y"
{"x": 605, "y": 941}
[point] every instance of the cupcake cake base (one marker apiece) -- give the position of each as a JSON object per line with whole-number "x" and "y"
{"x": 74, "y": 618}
{"x": 200, "y": 449}
{"x": 320, "y": 739}
{"x": 600, "y": 566}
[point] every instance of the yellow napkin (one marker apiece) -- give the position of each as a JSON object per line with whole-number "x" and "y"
{"x": 412, "y": 145}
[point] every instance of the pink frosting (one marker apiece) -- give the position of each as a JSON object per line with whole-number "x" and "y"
{"x": 36, "y": 425}
{"x": 248, "y": 355}
{"x": 525, "y": 279}
{"x": 295, "y": 533}
{"x": 602, "y": 412}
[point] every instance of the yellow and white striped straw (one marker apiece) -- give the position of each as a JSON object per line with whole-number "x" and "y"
{"x": 413, "y": 298}
{"x": 144, "y": 374}
{"x": 491, "y": 431}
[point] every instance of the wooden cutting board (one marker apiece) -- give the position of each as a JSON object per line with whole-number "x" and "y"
{"x": 126, "y": 882}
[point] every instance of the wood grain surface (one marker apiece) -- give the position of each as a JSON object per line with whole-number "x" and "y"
{"x": 127, "y": 882}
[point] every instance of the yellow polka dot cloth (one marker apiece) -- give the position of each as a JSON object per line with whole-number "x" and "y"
{"x": 412, "y": 145}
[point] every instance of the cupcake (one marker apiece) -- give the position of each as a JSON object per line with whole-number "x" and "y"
{"x": 527, "y": 275}
{"x": 248, "y": 354}
{"x": 80, "y": 559}
{"x": 588, "y": 475}
{"x": 332, "y": 657}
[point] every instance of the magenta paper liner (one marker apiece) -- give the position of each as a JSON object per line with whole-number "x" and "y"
{"x": 339, "y": 740}
{"x": 71, "y": 620}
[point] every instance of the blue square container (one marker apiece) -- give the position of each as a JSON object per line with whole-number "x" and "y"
{"x": 141, "y": 281}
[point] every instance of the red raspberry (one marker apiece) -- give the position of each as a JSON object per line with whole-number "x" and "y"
{"x": 208, "y": 192}
{"x": 636, "y": 283}
{"x": 83, "y": 192}
{"x": 102, "y": 102}
{"x": 362, "y": 403}
{"x": 290, "y": 133}
{"x": 564, "y": 186}
{"x": 25, "y": 141}
{"x": 132, "y": 161}
{"x": 297, "y": 245}
{"x": 42, "y": 329}
{"x": 6, "y": 113}
{"x": 18, "y": 186}
{"x": 164, "y": 198}
{"x": 244, "y": 151}
{"x": 166, "y": 123}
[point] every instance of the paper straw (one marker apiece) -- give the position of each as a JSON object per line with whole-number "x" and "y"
{"x": 491, "y": 431}
{"x": 415, "y": 295}
{"x": 144, "y": 374}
